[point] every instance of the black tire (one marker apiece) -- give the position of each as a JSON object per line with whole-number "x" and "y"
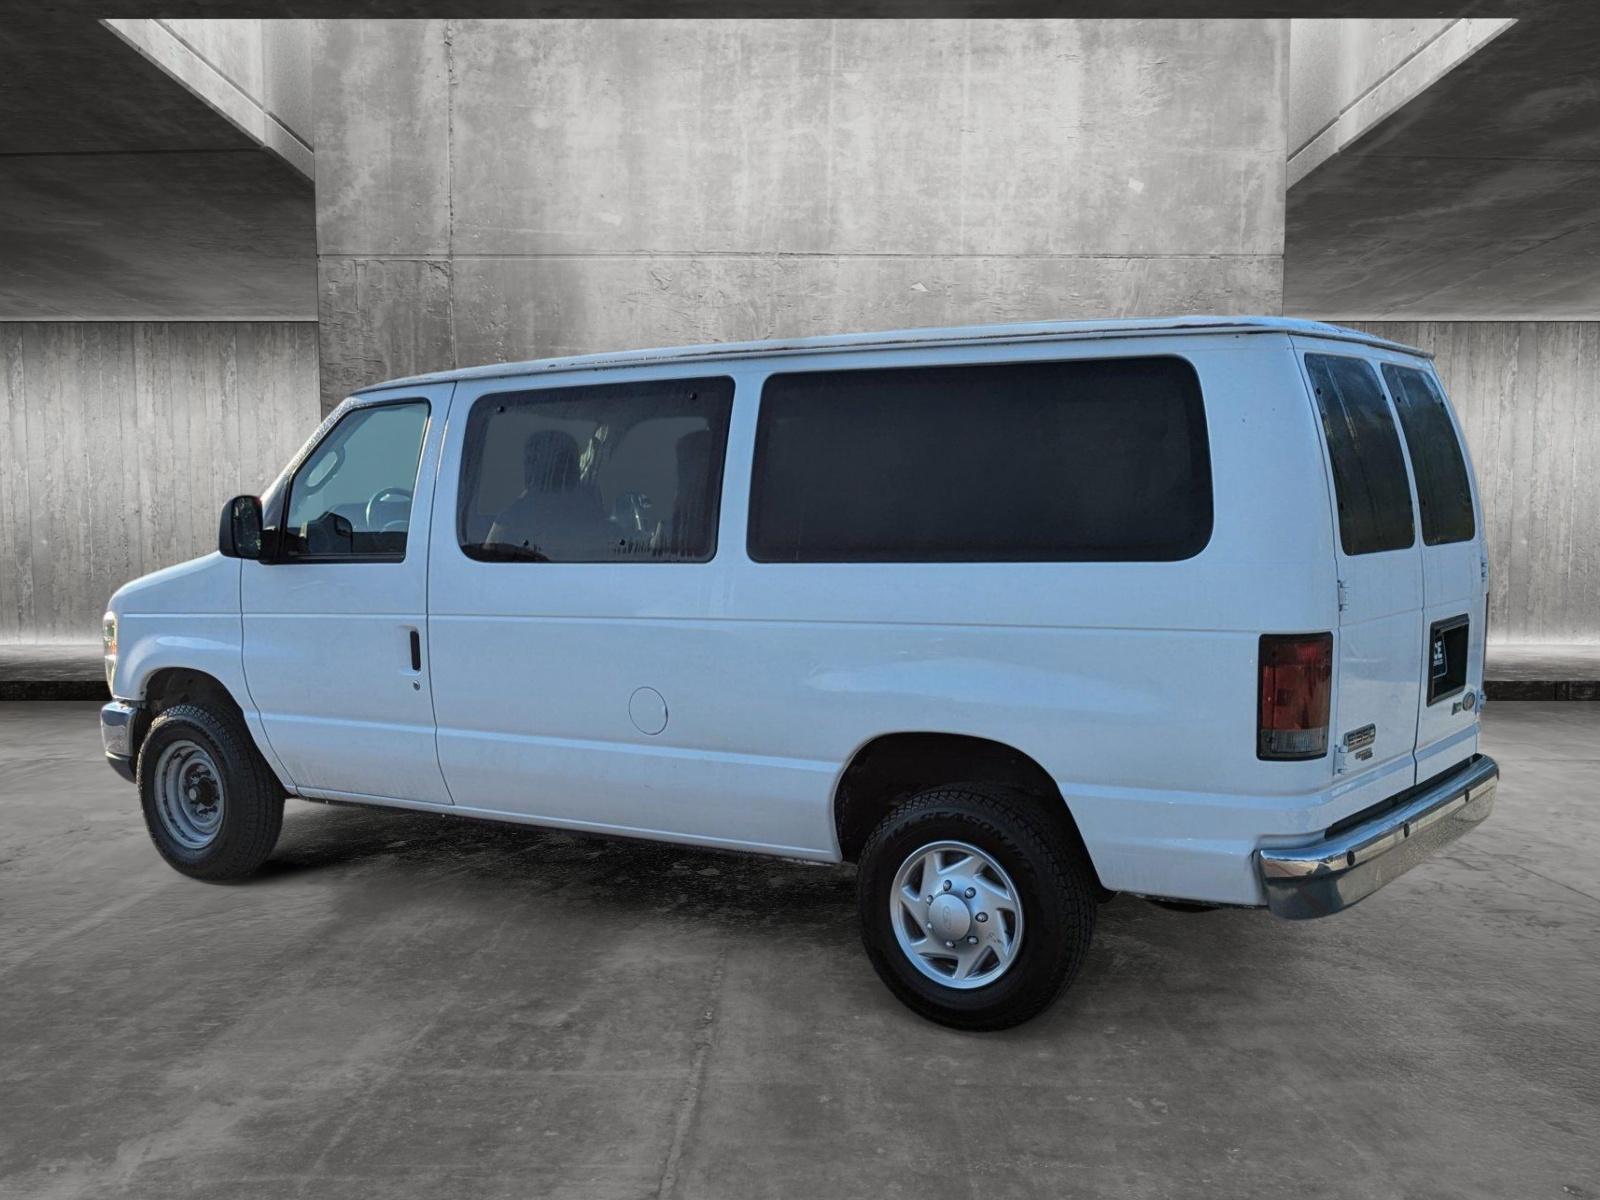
{"x": 252, "y": 808}
{"x": 1050, "y": 872}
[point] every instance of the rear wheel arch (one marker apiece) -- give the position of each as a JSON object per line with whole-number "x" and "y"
{"x": 889, "y": 769}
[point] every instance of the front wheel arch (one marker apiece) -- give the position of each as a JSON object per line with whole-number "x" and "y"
{"x": 171, "y": 686}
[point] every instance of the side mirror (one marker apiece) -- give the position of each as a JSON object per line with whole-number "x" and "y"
{"x": 239, "y": 535}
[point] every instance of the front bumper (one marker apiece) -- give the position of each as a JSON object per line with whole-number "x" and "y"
{"x": 116, "y": 735}
{"x": 1330, "y": 875}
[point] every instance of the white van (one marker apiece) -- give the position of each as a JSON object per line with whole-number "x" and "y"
{"x": 1014, "y": 618}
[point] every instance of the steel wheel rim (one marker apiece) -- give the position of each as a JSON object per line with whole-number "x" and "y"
{"x": 188, "y": 794}
{"x": 956, "y": 914}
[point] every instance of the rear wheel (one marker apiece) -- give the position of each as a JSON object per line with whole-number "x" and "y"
{"x": 212, "y": 805}
{"x": 976, "y": 910}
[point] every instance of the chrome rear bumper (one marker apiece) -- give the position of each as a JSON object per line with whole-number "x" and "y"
{"x": 1330, "y": 875}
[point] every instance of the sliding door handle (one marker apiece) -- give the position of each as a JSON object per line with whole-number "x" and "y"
{"x": 416, "y": 650}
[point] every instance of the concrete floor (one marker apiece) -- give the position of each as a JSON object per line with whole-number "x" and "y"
{"x": 406, "y": 1005}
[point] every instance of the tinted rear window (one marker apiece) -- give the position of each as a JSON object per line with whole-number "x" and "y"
{"x": 1369, "y": 469}
{"x": 1022, "y": 462}
{"x": 1444, "y": 492}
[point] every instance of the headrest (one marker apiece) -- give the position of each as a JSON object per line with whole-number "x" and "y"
{"x": 550, "y": 461}
{"x": 694, "y": 454}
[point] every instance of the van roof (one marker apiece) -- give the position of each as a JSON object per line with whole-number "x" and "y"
{"x": 962, "y": 335}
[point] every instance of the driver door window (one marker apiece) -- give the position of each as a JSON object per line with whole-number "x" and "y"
{"x": 351, "y": 499}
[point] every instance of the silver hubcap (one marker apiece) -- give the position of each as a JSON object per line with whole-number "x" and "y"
{"x": 188, "y": 796}
{"x": 956, "y": 914}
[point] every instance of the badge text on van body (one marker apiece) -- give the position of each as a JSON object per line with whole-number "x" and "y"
{"x": 1359, "y": 741}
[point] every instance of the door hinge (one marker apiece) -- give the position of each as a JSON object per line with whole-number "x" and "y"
{"x": 1344, "y": 595}
{"x": 1483, "y": 571}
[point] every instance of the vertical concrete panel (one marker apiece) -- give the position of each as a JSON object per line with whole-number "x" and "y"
{"x": 382, "y": 317}
{"x": 382, "y": 138}
{"x": 278, "y": 364}
{"x": 383, "y": 199}
{"x": 1528, "y": 395}
{"x": 16, "y": 510}
{"x": 1583, "y": 609}
{"x": 1489, "y": 380}
{"x": 615, "y": 184}
{"x": 50, "y": 385}
{"x": 121, "y": 441}
{"x": 1525, "y": 481}
{"x": 93, "y": 467}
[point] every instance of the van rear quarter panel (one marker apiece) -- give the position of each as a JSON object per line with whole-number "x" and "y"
{"x": 1133, "y": 684}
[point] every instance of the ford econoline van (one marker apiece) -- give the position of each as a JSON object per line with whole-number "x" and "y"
{"x": 1012, "y": 618}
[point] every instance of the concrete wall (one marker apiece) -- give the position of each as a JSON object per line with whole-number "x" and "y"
{"x": 119, "y": 443}
{"x": 499, "y": 190}
{"x": 1529, "y": 398}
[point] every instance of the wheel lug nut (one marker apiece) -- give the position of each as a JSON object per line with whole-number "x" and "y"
{"x": 949, "y": 945}
{"x": 972, "y": 940}
{"x": 947, "y": 885}
{"x": 970, "y": 893}
{"x": 929, "y": 900}
{"x": 983, "y": 917}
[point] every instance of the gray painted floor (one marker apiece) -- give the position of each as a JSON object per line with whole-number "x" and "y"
{"x": 415, "y": 1006}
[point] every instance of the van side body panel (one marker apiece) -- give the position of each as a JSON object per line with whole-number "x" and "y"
{"x": 1133, "y": 684}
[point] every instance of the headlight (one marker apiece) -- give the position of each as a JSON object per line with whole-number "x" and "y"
{"x": 108, "y": 640}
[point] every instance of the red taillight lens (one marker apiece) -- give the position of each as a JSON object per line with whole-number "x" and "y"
{"x": 1295, "y": 689}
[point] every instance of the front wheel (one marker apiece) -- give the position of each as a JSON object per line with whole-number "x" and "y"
{"x": 976, "y": 910}
{"x": 212, "y": 805}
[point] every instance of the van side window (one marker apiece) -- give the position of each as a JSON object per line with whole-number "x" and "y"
{"x": 1369, "y": 470}
{"x": 626, "y": 472}
{"x": 1076, "y": 461}
{"x": 351, "y": 498}
{"x": 1443, "y": 490}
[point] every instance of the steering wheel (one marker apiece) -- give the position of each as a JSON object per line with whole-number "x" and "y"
{"x": 389, "y": 495}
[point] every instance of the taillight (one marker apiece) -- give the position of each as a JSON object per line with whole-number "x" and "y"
{"x": 1293, "y": 696}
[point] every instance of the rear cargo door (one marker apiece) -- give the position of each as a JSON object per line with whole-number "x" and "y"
{"x": 1454, "y": 567}
{"x": 1377, "y": 680}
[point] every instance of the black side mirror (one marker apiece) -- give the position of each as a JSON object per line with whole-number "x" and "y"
{"x": 239, "y": 535}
